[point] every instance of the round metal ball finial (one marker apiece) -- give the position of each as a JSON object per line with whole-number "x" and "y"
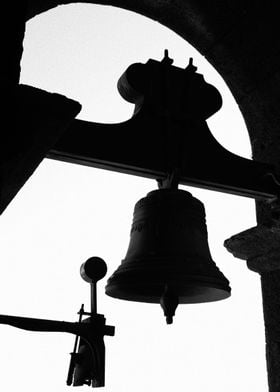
{"x": 93, "y": 269}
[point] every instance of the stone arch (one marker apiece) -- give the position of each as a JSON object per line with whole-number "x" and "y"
{"x": 231, "y": 37}
{"x": 239, "y": 40}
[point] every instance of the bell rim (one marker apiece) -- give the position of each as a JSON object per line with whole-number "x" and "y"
{"x": 135, "y": 284}
{"x": 187, "y": 279}
{"x": 131, "y": 265}
{"x": 201, "y": 294}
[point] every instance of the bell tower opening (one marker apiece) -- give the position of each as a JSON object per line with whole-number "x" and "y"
{"x": 67, "y": 213}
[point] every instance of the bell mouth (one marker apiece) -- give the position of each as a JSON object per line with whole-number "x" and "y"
{"x": 148, "y": 286}
{"x": 191, "y": 294}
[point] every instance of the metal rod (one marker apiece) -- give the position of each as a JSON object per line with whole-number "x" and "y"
{"x": 72, "y": 360}
{"x": 93, "y": 298}
{"x": 81, "y": 312}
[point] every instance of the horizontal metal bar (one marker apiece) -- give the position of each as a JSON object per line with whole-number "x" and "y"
{"x": 139, "y": 147}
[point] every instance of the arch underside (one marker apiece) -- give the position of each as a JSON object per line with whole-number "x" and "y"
{"x": 240, "y": 39}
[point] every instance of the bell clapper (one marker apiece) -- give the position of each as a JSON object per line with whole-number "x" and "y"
{"x": 169, "y": 302}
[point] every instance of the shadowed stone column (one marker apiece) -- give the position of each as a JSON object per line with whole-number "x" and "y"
{"x": 260, "y": 246}
{"x": 12, "y": 31}
{"x": 33, "y": 120}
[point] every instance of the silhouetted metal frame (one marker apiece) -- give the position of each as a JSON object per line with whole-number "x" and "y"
{"x": 163, "y": 135}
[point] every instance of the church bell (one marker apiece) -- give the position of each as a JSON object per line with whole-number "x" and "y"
{"x": 168, "y": 259}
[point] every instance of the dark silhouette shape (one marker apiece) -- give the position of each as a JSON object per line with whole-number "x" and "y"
{"x": 169, "y": 302}
{"x": 87, "y": 364}
{"x": 168, "y": 260}
{"x": 37, "y": 120}
{"x": 169, "y": 125}
{"x": 240, "y": 39}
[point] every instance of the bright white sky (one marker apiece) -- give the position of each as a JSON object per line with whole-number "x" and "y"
{"x": 68, "y": 213}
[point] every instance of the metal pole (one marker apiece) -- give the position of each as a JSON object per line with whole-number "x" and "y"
{"x": 93, "y": 298}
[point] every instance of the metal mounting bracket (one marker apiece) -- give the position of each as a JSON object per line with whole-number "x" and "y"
{"x": 168, "y": 130}
{"x": 87, "y": 364}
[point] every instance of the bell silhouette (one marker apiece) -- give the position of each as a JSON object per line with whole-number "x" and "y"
{"x": 168, "y": 259}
